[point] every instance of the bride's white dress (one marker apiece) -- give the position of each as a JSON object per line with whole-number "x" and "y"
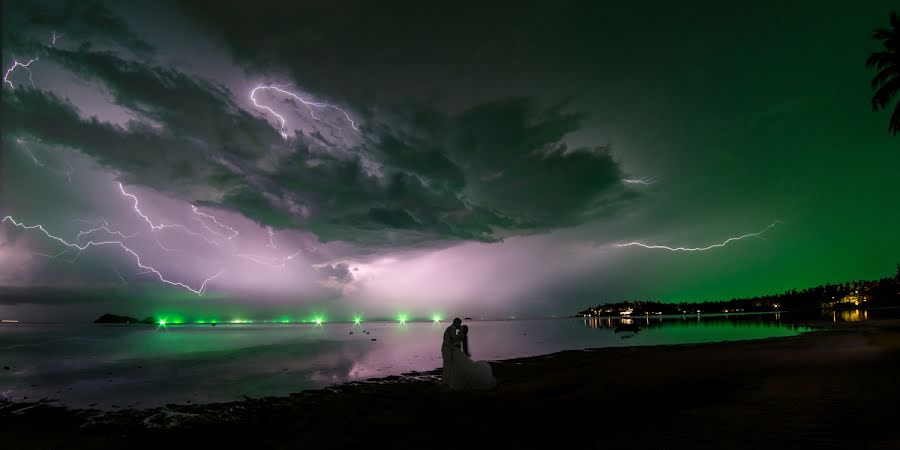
{"x": 463, "y": 373}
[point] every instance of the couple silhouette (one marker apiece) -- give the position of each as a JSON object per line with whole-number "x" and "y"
{"x": 460, "y": 372}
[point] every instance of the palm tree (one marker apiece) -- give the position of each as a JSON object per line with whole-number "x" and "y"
{"x": 887, "y": 63}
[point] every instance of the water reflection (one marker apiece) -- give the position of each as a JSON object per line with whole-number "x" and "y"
{"x": 850, "y": 315}
{"x": 638, "y": 323}
{"x": 126, "y": 366}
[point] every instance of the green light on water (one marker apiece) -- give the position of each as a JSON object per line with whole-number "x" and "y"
{"x": 319, "y": 321}
{"x": 436, "y": 318}
{"x": 162, "y": 322}
{"x": 402, "y": 318}
{"x": 357, "y": 320}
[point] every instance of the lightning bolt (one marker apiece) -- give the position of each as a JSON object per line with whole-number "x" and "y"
{"x": 213, "y": 218}
{"x": 161, "y": 226}
{"x": 55, "y": 36}
{"x": 119, "y": 274}
{"x": 271, "y": 243}
{"x": 646, "y": 181}
{"x": 82, "y": 247}
{"x": 30, "y": 153}
{"x": 701, "y": 249}
{"x": 309, "y": 105}
{"x": 68, "y": 172}
{"x": 105, "y": 227}
{"x": 274, "y": 262}
{"x": 160, "y": 245}
{"x": 16, "y": 63}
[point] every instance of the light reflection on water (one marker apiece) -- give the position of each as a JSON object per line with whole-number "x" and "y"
{"x": 851, "y": 315}
{"x": 137, "y": 366}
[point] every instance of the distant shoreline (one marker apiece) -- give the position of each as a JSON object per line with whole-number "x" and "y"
{"x": 140, "y": 323}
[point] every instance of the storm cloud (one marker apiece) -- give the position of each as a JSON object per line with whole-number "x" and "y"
{"x": 378, "y": 155}
{"x": 497, "y": 168}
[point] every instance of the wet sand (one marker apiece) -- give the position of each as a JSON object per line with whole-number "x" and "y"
{"x": 834, "y": 388}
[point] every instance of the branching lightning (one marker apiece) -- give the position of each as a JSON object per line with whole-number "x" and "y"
{"x": 104, "y": 226}
{"x": 309, "y": 105}
{"x": 215, "y": 221}
{"x": 16, "y": 63}
{"x": 81, "y": 247}
{"x": 701, "y": 249}
{"x": 161, "y": 226}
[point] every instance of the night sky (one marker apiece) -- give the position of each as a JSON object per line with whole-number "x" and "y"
{"x": 461, "y": 159}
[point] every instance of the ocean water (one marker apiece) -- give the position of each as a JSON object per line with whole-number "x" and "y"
{"x": 127, "y": 366}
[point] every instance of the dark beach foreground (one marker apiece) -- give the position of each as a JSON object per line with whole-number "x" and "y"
{"x": 838, "y": 387}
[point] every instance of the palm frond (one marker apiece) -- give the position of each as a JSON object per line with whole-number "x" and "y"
{"x": 885, "y": 75}
{"x": 880, "y": 60}
{"x": 890, "y": 36}
{"x": 885, "y": 94}
{"x": 887, "y": 62}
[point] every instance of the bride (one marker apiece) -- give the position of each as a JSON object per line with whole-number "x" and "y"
{"x": 465, "y": 373}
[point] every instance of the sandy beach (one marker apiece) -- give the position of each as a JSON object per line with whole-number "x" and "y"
{"x": 833, "y": 388}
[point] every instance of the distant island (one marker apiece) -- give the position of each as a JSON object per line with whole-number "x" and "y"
{"x": 112, "y": 318}
{"x": 854, "y": 294}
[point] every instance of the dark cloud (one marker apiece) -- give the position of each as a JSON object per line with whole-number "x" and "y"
{"x": 376, "y": 53}
{"x": 434, "y": 182}
{"x": 499, "y": 166}
{"x": 139, "y": 151}
{"x": 416, "y": 174}
{"x": 464, "y": 136}
{"x": 520, "y": 165}
{"x": 85, "y": 22}
{"x": 339, "y": 272}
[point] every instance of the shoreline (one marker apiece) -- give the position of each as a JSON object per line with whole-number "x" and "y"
{"x": 832, "y": 377}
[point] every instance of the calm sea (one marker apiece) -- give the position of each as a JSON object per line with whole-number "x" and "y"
{"x": 112, "y": 366}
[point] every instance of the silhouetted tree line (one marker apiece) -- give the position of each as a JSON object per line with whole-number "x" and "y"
{"x": 854, "y": 294}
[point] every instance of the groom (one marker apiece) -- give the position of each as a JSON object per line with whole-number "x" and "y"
{"x": 452, "y": 339}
